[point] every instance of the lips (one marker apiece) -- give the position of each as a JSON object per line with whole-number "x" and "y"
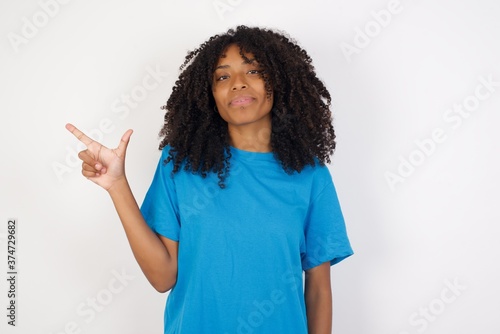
{"x": 241, "y": 100}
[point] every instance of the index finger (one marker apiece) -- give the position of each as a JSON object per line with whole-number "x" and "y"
{"x": 79, "y": 135}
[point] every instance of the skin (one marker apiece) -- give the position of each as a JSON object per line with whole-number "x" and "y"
{"x": 242, "y": 101}
{"x": 318, "y": 297}
{"x": 156, "y": 255}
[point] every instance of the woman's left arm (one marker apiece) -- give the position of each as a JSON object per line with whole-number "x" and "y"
{"x": 318, "y": 297}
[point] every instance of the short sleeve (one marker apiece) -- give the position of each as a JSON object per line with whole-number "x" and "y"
{"x": 160, "y": 208}
{"x": 325, "y": 231}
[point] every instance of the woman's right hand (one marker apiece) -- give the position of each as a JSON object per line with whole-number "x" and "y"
{"x": 102, "y": 165}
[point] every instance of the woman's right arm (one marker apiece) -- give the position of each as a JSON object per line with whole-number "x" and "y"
{"x": 156, "y": 255}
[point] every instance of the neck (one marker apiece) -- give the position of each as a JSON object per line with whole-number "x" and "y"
{"x": 253, "y": 140}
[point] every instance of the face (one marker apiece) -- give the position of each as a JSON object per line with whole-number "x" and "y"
{"x": 239, "y": 91}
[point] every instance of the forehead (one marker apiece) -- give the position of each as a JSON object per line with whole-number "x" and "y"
{"x": 233, "y": 53}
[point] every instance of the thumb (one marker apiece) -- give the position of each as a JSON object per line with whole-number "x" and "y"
{"x": 122, "y": 146}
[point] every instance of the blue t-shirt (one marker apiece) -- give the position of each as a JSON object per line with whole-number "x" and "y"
{"x": 243, "y": 249}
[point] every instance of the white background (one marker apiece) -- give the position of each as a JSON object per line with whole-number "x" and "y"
{"x": 438, "y": 223}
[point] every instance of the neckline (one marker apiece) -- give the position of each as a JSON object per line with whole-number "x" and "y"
{"x": 249, "y": 155}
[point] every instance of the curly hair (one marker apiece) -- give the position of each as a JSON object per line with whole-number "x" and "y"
{"x": 301, "y": 122}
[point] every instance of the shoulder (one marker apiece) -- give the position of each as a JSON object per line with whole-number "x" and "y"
{"x": 165, "y": 152}
{"x": 167, "y": 158}
{"x": 319, "y": 173}
{"x": 165, "y": 165}
{"x": 319, "y": 179}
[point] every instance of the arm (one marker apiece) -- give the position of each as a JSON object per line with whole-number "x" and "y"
{"x": 318, "y": 297}
{"x": 156, "y": 255}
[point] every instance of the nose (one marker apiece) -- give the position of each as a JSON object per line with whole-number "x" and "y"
{"x": 239, "y": 83}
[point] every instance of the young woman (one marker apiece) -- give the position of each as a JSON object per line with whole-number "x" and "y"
{"x": 241, "y": 204}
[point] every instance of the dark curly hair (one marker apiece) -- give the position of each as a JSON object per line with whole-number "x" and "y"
{"x": 301, "y": 131}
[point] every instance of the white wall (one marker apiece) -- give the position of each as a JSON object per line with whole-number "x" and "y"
{"x": 433, "y": 226}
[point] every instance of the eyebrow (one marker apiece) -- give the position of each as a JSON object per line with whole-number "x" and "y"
{"x": 249, "y": 61}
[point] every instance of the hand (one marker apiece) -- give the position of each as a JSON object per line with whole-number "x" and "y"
{"x": 102, "y": 165}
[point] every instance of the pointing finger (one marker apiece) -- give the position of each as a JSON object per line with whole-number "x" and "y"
{"x": 79, "y": 135}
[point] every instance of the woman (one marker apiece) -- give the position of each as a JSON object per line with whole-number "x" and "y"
{"x": 241, "y": 204}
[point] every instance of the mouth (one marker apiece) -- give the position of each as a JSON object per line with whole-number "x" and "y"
{"x": 241, "y": 101}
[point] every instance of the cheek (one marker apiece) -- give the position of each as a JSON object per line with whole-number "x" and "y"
{"x": 270, "y": 100}
{"x": 216, "y": 97}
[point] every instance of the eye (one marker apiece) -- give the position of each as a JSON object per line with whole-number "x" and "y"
{"x": 221, "y": 77}
{"x": 254, "y": 72}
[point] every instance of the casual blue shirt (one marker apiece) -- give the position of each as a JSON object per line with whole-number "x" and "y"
{"x": 243, "y": 249}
